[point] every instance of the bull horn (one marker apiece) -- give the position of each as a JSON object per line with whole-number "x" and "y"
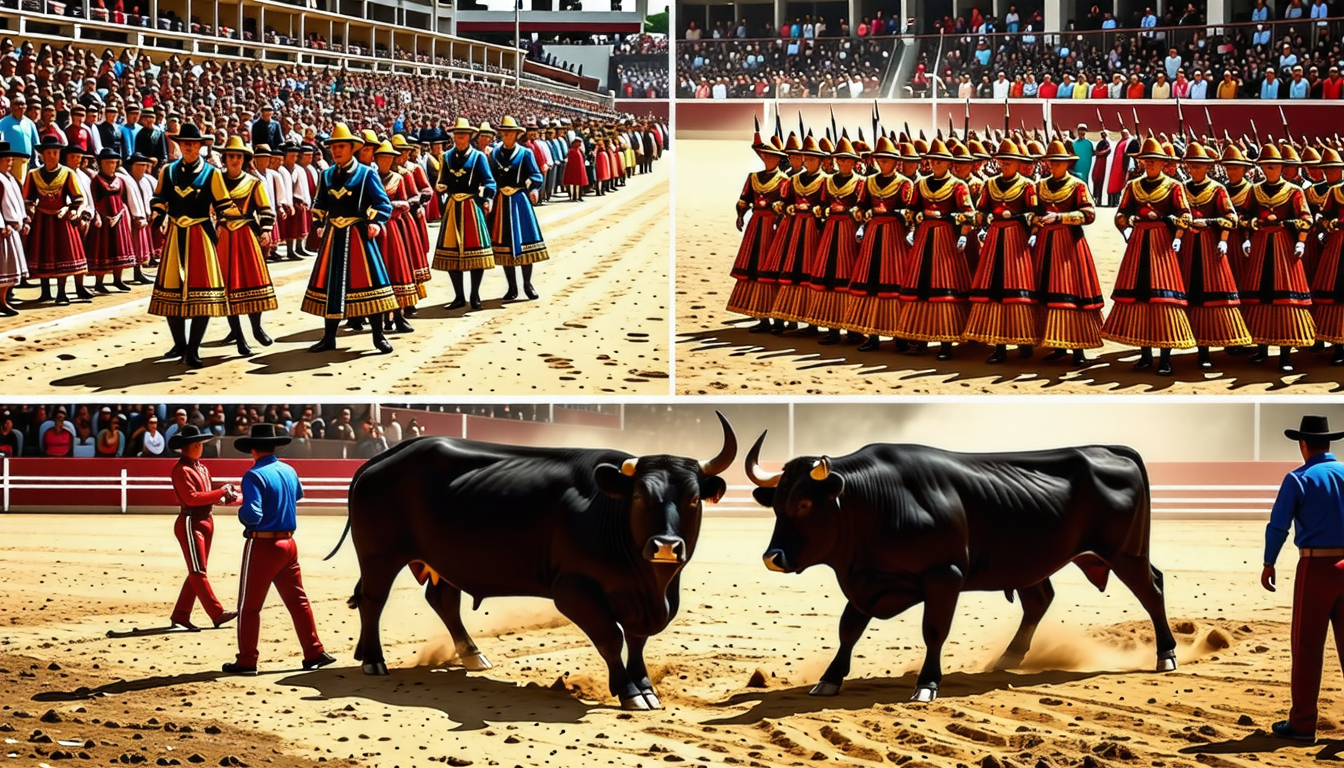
{"x": 754, "y": 473}
{"x": 628, "y": 467}
{"x": 822, "y": 469}
{"x": 726, "y": 455}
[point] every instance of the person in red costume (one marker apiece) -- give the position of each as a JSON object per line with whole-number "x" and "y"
{"x": 195, "y": 526}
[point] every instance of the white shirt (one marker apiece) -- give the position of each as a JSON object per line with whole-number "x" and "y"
{"x": 138, "y": 205}
{"x": 1001, "y": 88}
{"x": 719, "y": 91}
{"x": 300, "y": 192}
{"x": 284, "y": 186}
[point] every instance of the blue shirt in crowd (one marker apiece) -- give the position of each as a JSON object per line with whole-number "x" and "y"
{"x": 271, "y": 491}
{"x": 1311, "y": 500}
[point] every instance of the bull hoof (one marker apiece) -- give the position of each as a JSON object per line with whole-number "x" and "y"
{"x": 475, "y": 662}
{"x": 376, "y": 668}
{"x": 652, "y": 700}
{"x": 635, "y": 703}
{"x": 1008, "y": 661}
{"x": 825, "y": 689}
{"x": 925, "y": 694}
{"x": 1167, "y": 662}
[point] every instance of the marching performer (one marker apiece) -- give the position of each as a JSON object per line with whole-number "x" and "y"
{"x": 312, "y": 163}
{"x": 575, "y": 178}
{"x": 53, "y": 243}
{"x": 395, "y": 239}
{"x": 514, "y": 230}
{"x": 798, "y": 238}
{"x": 1215, "y": 318}
{"x": 464, "y": 237}
{"x": 138, "y": 178}
{"x": 936, "y": 280}
{"x": 295, "y": 233}
{"x": 830, "y": 266}
{"x": 1276, "y": 296}
{"x": 1235, "y": 165}
{"x": 1149, "y": 294}
{"x": 433, "y": 160}
{"x": 760, "y": 192}
{"x": 963, "y": 167}
{"x": 349, "y": 278}
{"x": 111, "y": 242}
{"x": 875, "y": 303}
{"x": 1327, "y": 286}
{"x": 195, "y": 526}
{"x": 1066, "y": 275}
{"x": 190, "y": 283}
{"x": 13, "y": 222}
{"x": 242, "y": 239}
{"x": 1005, "y": 308}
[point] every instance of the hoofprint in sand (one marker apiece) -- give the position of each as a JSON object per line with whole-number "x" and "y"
{"x": 1085, "y": 696}
{"x": 600, "y": 326}
{"x": 716, "y": 355}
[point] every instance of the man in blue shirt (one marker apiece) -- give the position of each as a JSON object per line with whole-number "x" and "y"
{"x": 1311, "y": 500}
{"x": 271, "y": 491}
{"x": 21, "y": 133}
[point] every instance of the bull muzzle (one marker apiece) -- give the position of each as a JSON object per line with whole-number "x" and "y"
{"x": 665, "y": 549}
{"x": 777, "y": 561}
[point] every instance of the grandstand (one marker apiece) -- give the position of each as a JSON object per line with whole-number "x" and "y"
{"x": 1158, "y": 50}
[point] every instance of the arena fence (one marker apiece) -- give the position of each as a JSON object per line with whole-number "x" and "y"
{"x": 1180, "y": 490}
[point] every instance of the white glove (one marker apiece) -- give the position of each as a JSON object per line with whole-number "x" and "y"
{"x": 1246, "y": 247}
{"x": 1222, "y": 247}
{"x": 910, "y": 237}
{"x": 1031, "y": 241}
{"x": 961, "y": 243}
{"x": 1299, "y": 248}
{"x": 1176, "y": 246}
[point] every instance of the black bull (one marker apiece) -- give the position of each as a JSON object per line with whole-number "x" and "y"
{"x": 904, "y": 524}
{"x": 602, "y": 533}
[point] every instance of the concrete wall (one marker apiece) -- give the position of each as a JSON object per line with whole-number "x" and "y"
{"x": 593, "y": 58}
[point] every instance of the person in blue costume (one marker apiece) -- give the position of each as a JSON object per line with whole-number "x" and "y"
{"x": 464, "y": 237}
{"x": 514, "y": 230}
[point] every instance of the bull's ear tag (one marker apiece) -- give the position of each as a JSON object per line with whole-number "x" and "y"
{"x": 628, "y": 467}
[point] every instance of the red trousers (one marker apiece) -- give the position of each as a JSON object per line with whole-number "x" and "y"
{"x": 267, "y": 562}
{"x": 194, "y": 536}
{"x": 1318, "y": 603}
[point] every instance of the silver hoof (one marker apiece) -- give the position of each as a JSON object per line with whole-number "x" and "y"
{"x": 1166, "y": 663}
{"x": 824, "y": 689}
{"x": 925, "y": 694}
{"x": 636, "y": 703}
{"x": 475, "y": 662}
{"x": 378, "y": 668}
{"x": 651, "y": 699}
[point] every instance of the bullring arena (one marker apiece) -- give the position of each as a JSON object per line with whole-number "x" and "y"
{"x": 733, "y": 670}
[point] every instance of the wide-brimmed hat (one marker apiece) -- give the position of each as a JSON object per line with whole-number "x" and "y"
{"x": 1310, "y": 157}
{"x": 793, "y": 146}
{"x": 188, "y": 132}
{"x": 50, "y": 142}
{"x": 400, "y": 144}
{"x": 262, "y": 436}
{"x": 6, "y": 150}
{"x": 188, "y": 434}
{"x": 1196, "y": 153}
{"x": 484, "y": 129}
{"x": 109, "y": 153}
{"x": 236, "y": 144}
{"x": 1008, "y": 150}
{"x": 263, "y": 150}
{"x": 509, "y": 124}
{"x": 134, "y": 159}
{"x": 1269, "y": 155}
{"x": 1233, "y": 155}
{"x": 885, "y": 148}
{"x": 938, "y": 151}
{"x": 1329, "y": 159}
{"x": 342, "y": 134}
{"x": 386, "y": 148}
{"x": 1313, "y": 428}
{"x": 810, "y": 148}
{"x": 979, "y": 150}
{"x": 845, "y": 149}
{"x": 463, "y": 125}
{"x": 370, "y": 137}
{"x": 1151, "y": 149}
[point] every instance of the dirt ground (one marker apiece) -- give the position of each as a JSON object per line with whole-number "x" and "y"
{"x": 1084, "y": 698}
{"x": 600, "y": 326}
{"x": 716, "y": 355}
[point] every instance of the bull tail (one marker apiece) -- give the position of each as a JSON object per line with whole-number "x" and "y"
{"x": 350, "y": 496}
{"x": 344, "y": 533}
{"x": 353, "y": 602}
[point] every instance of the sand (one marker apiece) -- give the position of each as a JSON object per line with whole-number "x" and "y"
{"x": 716, "y": 355}
{"x": 1085, "y": 697}
{"x": 600, "y": 327}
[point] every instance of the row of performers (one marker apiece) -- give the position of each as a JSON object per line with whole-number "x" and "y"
{"x": 370, "y": 219}
{"x": 895, "y": 242}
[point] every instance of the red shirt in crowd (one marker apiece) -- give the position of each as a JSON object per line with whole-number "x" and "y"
{"x": 1332, "y": 88}
{"x": 57, "y": 442}
{"x": 1048, "y": 90}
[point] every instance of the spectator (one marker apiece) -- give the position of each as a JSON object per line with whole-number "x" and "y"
{"x": 342, "y": 429}
{"x": 1332, "y": 87}
{"x": 413, "y": 428}
{"x": 1161, "y": 88}
{"x": 111, "y": 441}
{"x": 152, "y": 443}
{"x": 393, "y": 429}
{"x": 179, "y": 421}
{"x": 1299, "y": 88}
{"x": 1269, "y": 89}
{"x": 59, "y": 440}
{"x": 21, "y": 133}
{"x": 1228, "y": 88}
{"x": 1199, "y": 87}
{"x": 9, "y": 439}
{"x": 1172, "y": 64}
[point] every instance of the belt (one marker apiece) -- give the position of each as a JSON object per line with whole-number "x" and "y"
{"x": 1321, "y": 552}
{"x": 510, "y": 191}
{"x": 268, "y": 534}
{"x": 460, "y": 196}
{"x": 187, "y": 221}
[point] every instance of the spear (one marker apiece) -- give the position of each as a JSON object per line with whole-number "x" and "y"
{"x": 1283, "y": 119}
{"x": 802, "y": 133}
{"x": 834, "y": 130}
{"x": 1101, "y": 122}
{"x": 860, "y": 133}
{"x": 1209, "y": 121}
{"x": 1255, "y": 132}
{"x": 877, "y": 118}
{"x": 966, "y": 120}
{"x": 1180, "y": 117}
{"x": 756, "y": 122}
{"x": 1136, "y": 119}
{"x": 1005, "y": 114}
{"x": 909, "y": 135}
{"x": 779, "y": 130}
{"x": 952, "y": 129}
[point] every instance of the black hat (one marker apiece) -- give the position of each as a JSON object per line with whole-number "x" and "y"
{"x": 1313, "y": 428}
{"x": 189, "y": 132}
{"x": 8, "y": 151}
{"x": 50, "y": 142}
{"x": 188, "y": 434}
{"x": 108, "y": 153}
{"x": 262, "y": 436}
{"x": 135, "y": 158}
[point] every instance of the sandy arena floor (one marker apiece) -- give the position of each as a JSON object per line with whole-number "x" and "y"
{"x": 600, "y": 327}
{"x": 1085, "y": 698}
{"x": 716, "y": 355}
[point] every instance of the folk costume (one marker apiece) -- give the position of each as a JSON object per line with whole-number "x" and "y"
{"x": 190, "y": 283}
{"x": 54, "y": 245}
{"x": 195, "y": 530}
{"x": 798, "y": 237}
{"x": 874, "y": 289}
{"x": 397, "y": 238}
{"x": 575, "y": 178}
{"x": 936, "y": 280}
{"x": 1215, "y": 316}
{"x": 1327, "y": 286}
{"x": 760, "y": 192}
{"x": 830, "y": 266}
{"x": 1005, "y": 306}
{"x": 1149, "y": 294}
{"x": 514, "y": 231}
{"x": 247, "y": 278}
{"x": 110, "y": 245}
{"x": 349, "y": 278}
{"x": 297, "y": 226}
{"x": 433, "y": 164}
{"x": 1066, "y": 275}
{"x": 1276, "y": 296}
{"x": 1239, "y": 189}
{"x": 419, "y": 191}
{"x": 13, "y": 215}
{"x": 464, "y": 237}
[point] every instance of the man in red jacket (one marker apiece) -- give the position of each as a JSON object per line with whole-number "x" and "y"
{"x": 1332, "y": 87}
{"x": 195, "y": 526}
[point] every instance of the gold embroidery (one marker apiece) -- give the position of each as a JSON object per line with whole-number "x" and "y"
{"x": 52, "y": 188}
{"x": 769, "y": 186}
{"x": 805, "y": 190}
{"x": 1241, "y": 194}
{"x": 1055, "y": 198}
{"x": 846, "y": 190}
{"x": 339, "y": 193}
{"x": 1162, "y": 192}
{"x": 1275, "y": 200}
{"x": 876, "y": 190}
{"x": 1018, "y": 188}
{"x": 1203, "y": 197}
{"x": 948, "y": 190}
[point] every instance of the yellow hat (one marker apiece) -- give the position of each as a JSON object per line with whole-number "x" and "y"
{"x": 1151, "y": 149}
{"x": 370, "y": 137}
{"x": 1233, "y": 155}
{"x": 845, "y": 149}
{"x": 938, "y": 151}
{"x": 509, "y": 124}
{"x": 1330, "y": 159}
{"x": 1008, "y": 150}
{"x": 462, "y": 126}
{"x": 386, "y": 148}
{"x": 400, "y": 144}
{"x": 1196, "y": 153}
{"x": 485, "y": 128}
{"x": 343, "y": 134}
{"x": 885, "y": 148}
{"x": 236, "y": 144}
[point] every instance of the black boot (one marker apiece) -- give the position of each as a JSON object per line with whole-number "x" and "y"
{"x": 410, "y": 311}
{"x": 810, "y": 330}
{"x": 945, "y": 351}
{"x": 328, "y": 341}
{"x": 1058, "y": 354}
{"x": 1261, "y": 354}
{"x": 1079, "y": 358}
{"x": 1164, "y": 363}
{"x": 1000, "y": 355}
{"x": 380, "y": 341}
{"x": 45, "y": 296}
{"x": 831, "y": 338}
{"x": 355, "y": 324}
{"x": 1204, "y": 361}
{"x": 476, "y": 276}
{"x": 80, "y": 290}
{"x": 1145, "y": 360}
{"x": 778, "y": 328}
{"x": 236, "y": 334}
{"x": 512, "y": 278}
{"x": 1025, "y": 351}
{"x": 873, "y": 344}
{"x": 528, "y": 290}
{"x": 1338, "y": 357}
{"x": 192, "y": 354}
{"x": 120, "y": 284}
{"x": 260, "y": 335}
{"x": 1286, "y": 360}
{"x": 761, "y": 327}
{"x": 458, "y": 301}
{"x": 6, "y": 309}
{"x": 140, "y": 277}
{"x": 399, "y": 324}
{"x": 177, "y": 327}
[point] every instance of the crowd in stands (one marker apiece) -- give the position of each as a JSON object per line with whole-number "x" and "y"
{"x": 1295, "y": 54}
{"x": 640, "y": 77}
{"x": 142, "y": 431}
